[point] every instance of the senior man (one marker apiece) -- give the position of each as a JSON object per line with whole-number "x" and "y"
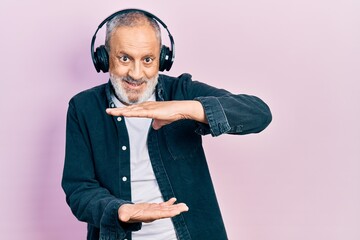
{"x": 134, "y": 148}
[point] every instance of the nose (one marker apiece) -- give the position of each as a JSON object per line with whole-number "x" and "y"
{"x": 136, "y": 71}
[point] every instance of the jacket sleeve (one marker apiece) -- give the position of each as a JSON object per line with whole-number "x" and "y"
{"x": 88, "y": 200}
{"x": 227, "y": 112}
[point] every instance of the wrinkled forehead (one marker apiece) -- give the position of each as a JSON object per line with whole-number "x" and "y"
{"x": 135, "y": 39}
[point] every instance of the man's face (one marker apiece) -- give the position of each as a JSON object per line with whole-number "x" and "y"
{"x": 134, "y": 62}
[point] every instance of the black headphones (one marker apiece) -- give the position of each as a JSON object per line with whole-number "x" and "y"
{"x": 100, "y": 56}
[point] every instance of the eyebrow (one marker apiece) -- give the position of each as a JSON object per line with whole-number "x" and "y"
{"x": 125, "y": 53}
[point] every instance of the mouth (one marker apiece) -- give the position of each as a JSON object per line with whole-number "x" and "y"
{"x": 134, "y": 84}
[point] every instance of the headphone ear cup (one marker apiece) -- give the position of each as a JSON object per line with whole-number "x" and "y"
{"x": 165, "y": 58}
{"x": 101, "y": 59}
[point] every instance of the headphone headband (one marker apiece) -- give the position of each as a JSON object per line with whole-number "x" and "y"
{"x": 101, "y": 64}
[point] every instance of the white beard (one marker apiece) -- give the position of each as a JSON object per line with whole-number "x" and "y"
{"x": 122, "y": 95}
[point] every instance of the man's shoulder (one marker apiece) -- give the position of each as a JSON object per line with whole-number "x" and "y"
{"x": 174, "y": 83}
{"x": 175, "y": 88}
{"x": 166, "y": 79}
{"x": 92, "y": 92}
{"x": 90, "y": 96}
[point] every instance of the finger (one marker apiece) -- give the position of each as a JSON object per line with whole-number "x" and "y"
{"x": 129, "y": 112}
{"x": 156, "y": 211}
{"x": 173, "y": 211}
{"x": 141, "y": 113}
{"x": 157, "y": 124}
{"x": 182, "y": 207}
{"x": 116, "y": 111}
{"x": 160, "y": 214}
{"x": 169, "y": 202}
{"x": 170, "y": 206}
{"x": 124, "y": 108}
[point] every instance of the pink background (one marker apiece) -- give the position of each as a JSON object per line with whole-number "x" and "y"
{"x": 299, "y": 179}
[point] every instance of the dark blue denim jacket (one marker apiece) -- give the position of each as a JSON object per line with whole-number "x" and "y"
{"x": 96, "y": 177}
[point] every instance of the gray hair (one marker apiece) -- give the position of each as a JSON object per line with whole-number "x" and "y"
{"x": 130, "y": 19}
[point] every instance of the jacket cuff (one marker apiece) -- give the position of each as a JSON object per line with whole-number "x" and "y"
{"x": 111, "y": 228}
{"x": 215, "y": 115}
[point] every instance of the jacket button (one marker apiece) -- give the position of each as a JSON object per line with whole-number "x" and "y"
{"x": 123, "y": 148}
{"x": 118, "y": 119}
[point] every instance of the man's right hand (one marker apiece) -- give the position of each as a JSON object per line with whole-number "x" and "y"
{"x": 148, "y": 212}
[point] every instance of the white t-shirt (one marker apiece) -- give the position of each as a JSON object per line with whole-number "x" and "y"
{"x": 144, "y": 187}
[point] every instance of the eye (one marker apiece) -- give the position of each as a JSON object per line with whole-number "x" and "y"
{"x": 124, "y": 58}
{"x": 148, "y": 60}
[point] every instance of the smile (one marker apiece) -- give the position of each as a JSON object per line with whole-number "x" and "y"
{"x": 134, "y": 83}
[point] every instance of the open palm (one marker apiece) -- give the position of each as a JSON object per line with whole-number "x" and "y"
{"x": 148, "y": 212}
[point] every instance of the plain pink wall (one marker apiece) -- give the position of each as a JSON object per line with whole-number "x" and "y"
{"x": 299, "y": 179}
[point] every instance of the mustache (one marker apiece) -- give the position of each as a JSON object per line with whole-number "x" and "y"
{"x": 132, "y": 80}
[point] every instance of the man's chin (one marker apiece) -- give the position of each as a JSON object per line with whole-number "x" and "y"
{"x": 134, "y": 100}
{"x": 133, "y": 97}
